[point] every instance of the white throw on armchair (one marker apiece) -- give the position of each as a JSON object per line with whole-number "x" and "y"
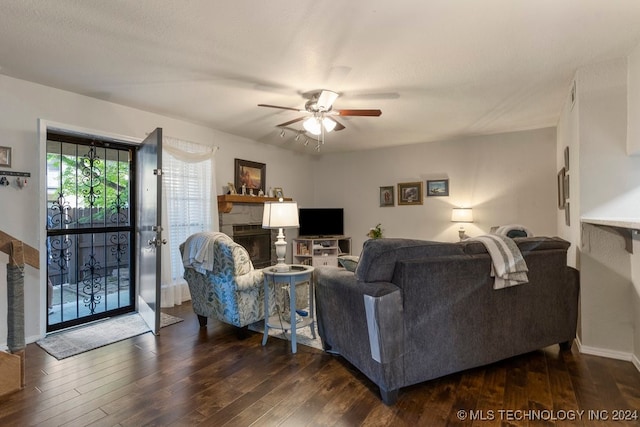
{"x": 222, "y": 280}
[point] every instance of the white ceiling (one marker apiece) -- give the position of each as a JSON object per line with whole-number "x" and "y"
{"x": 438, "y": 69}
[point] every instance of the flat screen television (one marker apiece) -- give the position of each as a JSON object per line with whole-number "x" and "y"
{"x": 321, "y": 222}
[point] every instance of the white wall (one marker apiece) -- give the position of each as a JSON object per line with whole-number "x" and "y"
{"x": 609, "y": 178}
{"x": 507, "y": 178}
{"x": 23, "y": 103}
{"x": 633, "y": 102}
{"x": 606, "y": 182}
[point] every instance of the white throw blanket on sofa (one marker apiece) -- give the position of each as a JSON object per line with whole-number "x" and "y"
{"x": 507, "y": 264}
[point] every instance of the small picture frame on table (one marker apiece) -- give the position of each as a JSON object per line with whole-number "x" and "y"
{"x": 5, "y": 157}
{"x": 277, "y": 192}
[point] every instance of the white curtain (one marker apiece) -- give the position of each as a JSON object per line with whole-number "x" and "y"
{"x": 189, "y": 206}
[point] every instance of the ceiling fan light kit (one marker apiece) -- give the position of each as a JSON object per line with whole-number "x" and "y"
{"x": 312, "y": 125}
{"x": 321, "y": 119}
{"x": 326, "y": 100}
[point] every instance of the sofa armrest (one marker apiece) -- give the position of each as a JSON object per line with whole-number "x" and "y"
{"x": 363, "y": 322}
{"x": 252, "y": 279}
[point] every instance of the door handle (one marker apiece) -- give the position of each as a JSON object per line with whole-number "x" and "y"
{"x": 157, "y": 243}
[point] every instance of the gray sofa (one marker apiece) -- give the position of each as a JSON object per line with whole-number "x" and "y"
{"x": 417, "y": 310}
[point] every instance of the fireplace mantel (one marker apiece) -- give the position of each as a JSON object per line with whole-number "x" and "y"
{"x": 226, "y": 201}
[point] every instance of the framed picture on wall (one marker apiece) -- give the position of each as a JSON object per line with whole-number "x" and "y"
{"x": 252, "y": 175}
{"x": 410, "y": 193}
{"x": 438, "y": 187}
{"x": 5, "y": 157}
{"x": 561, "y": 197}
{"x": 387, "y": 197}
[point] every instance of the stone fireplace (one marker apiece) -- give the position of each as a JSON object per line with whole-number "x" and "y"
{"x": 242, "y": 221}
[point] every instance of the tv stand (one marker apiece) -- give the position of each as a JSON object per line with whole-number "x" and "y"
{"x": 320, "y": 251}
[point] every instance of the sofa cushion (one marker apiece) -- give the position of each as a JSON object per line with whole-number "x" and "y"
{"x": 350, "y": 262}
{"x": 379, "y": 256}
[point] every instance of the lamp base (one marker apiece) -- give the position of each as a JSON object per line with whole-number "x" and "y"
{"x": 281, "y": 267}
{"x": 281, "y": 251}
{"x": 462, "y": 234}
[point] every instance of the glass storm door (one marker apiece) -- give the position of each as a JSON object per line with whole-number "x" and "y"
{"x": 90, "y": 232}
{"x": 148, "y": 230}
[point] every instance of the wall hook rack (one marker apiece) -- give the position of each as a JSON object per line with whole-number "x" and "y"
{"x": 10, "y": 173}
{"x": 21, "y": 179}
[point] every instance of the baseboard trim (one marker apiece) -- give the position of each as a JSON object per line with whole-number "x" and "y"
{"x": 611, "y": 354}
{"x": 636, "y": 362}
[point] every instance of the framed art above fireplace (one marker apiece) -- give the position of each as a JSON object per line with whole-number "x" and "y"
{"x": 252, "y": 175}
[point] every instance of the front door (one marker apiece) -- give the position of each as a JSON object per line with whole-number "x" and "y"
{"x": 148, "y": 228}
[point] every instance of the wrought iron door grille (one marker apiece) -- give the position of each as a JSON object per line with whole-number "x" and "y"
{"x": 89, "y": 230}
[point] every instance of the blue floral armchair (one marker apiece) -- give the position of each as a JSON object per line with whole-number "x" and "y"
{"x": 222, "y": 280}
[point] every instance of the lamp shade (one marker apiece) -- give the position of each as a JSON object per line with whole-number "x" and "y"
{"x": 280, "y": 215}
{"x": 328, "y": 124}
{"x": 461, "y": 215}
{"x": 312, "y": 125}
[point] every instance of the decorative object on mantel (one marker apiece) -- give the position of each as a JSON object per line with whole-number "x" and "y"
{"x": 232, "y": 188}
{"x": 462, "y": 215}
{"x": 226, "y": 201}
{"x": 277, "y": 192}
{"x": 249, "y": 175}
{"x": 438, "y": 187}
{"x": 5, "y": 157}
{"x": 410, "y": 193}
{"x": 280, "y": 215}
{"x": 375, "y": 232}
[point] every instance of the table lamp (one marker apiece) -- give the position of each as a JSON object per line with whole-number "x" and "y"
{"x": 461, "y": 215}
{"x": 280, "y": 215}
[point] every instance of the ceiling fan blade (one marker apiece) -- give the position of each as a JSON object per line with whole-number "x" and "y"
{"x": 290, "y": 122}
{"x": 339, "y": 126}
{"x": 282, "y": 108}
{"x": 371, "y": 113}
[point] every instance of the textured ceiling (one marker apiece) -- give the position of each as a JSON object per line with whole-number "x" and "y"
{"x": 438, "y": 69}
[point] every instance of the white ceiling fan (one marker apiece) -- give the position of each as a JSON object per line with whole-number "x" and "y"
{"x": 320, "y": 116}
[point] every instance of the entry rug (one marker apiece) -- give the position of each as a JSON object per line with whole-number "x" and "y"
{"x": 303, "y": 335}
{"x": 84, "y": 338}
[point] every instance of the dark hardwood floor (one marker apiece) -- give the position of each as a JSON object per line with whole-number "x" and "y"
{"x": 190, "y": 376}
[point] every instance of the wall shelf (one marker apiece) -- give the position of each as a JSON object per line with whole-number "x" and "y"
{"x": 624, "y": 227}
